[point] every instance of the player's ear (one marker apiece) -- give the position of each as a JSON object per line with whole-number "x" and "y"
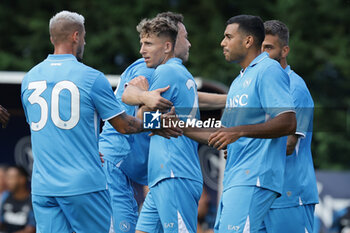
{"x": 168, "y": 47}
{"x": 248, "y": 41}
{"x": 52, "y": 41}
{"x": 75, "y": 36}
{"x": 285, "y": 51}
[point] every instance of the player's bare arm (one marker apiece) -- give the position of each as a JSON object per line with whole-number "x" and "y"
{"x": 141, "y": 82}
{"x": 282, "y": 125}
{"x": 4, "y": 116}
{"x": 126, "y": 124}
{"x": 200, "y": 135}
{"x": 211, "y": 101}
{"x": 291, "y": 143}
{"x": 134, "y": 94}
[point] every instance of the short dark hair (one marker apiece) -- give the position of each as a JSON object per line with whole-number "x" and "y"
{"x": 277, "y": 28}
{"x": 175, "y": 17}
{"x": 159, "y": 27}
{"x": 251, "y": 25}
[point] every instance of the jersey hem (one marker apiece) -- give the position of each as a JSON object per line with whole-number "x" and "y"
{"x": 152, "y": 184}
{"x": 261, "y": 186}
{"x": 300, "y": 134}
{"x": 69, "y": 194}
{"x": 284, "y": 112}
{"x": 292, "y": 205}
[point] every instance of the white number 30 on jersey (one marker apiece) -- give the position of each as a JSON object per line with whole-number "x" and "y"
{"x": 39, "y": 87}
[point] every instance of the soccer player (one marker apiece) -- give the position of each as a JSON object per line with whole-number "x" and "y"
{"x": 173, "y": 166}
{"x": 258, "y": 114}
{"x": 4, "y": 116}
{"x": 126, "y": 156}
{"x": 64, "y": 100}
{"x": 294, "y": 210}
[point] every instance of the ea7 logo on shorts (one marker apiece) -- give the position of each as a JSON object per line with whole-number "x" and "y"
{"x": 168, "y": 225}
{"x": 232, "y": 228}
{"x": 151, "y": 120}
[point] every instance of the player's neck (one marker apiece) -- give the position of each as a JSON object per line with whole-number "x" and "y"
{"x": 284, "y": 63}
{"x": 251, "y": 55}
{"x": 168, "y": 57}
{"x": 65, "y": 49}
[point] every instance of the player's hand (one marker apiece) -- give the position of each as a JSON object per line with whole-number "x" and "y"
{"x": 154, "y": 100}
{"x": 167, "y": 133}
{"x": 221, "y": 138}
{"x": 4, "y": 116}
{"x": 101, "y": 158}
{"x": 172, "y": 131}
{"x": 140, "y": 82}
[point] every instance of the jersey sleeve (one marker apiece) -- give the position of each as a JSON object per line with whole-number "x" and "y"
{"x": 144, "y": 71}
{"x": 274, "y": 92}
{"x": 104, "y": 99}
{"x": 163, "y": 78}
{"x": 304, "y": 111}
{"x": 24, "y": 86}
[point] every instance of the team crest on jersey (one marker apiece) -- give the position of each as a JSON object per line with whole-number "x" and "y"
{"x": 124, "y": 226}
{"x": 151, "y": 120}
{"x": 246, "y": 83}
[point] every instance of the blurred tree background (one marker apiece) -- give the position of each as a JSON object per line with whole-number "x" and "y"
{"x": 320, "y": 48}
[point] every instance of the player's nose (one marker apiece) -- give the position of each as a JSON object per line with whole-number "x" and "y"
{"x": 142, "y": 51}
{"x": 222, "y": 44}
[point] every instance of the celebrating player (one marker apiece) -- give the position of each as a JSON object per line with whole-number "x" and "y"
{"x": 294, "y": 210}
{"x": 126, "y": 156}
{"x": 258, "y": 113}
{"x": 64, "y": 100}
{"x": 173, "y": 164}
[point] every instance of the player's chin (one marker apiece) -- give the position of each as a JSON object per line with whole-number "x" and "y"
{"x": 149, "y": 65}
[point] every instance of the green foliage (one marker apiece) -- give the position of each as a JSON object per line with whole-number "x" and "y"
{"x": 320, "y": 42}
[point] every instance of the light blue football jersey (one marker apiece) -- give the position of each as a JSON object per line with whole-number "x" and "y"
{"x": 64, "y": 100}
{"x": 299, "y": 178}
{"x": 175, "y": 157}
{"x": 131, "y": 149}
{"x": 259, "y": 93}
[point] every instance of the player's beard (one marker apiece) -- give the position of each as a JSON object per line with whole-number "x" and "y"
{"x": 279, "y": 57}
{"x": 80, "y": 53}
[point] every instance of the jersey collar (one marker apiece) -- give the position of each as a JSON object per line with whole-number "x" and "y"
{"x": 288, "y": 70}
{"x": 174, "y": 60}
{"x": 256, "y": 60}
{"x": 259, "y": 58}
{"x": 61, "y": 57}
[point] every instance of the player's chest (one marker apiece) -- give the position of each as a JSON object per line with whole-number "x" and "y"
{"x": 243, "y": 92}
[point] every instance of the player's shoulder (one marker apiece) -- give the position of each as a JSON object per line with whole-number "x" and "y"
{"x": 32, "y": 73}
{"x": 139, "y": 67}
{"x": 271, "y": 64}
{"x": 298, "y": 87}
{"x": 271, "y": 70}
{"x": 85, "y": 69}
{"x": 296, "y": 80}
{"x": 174, "y": 70}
